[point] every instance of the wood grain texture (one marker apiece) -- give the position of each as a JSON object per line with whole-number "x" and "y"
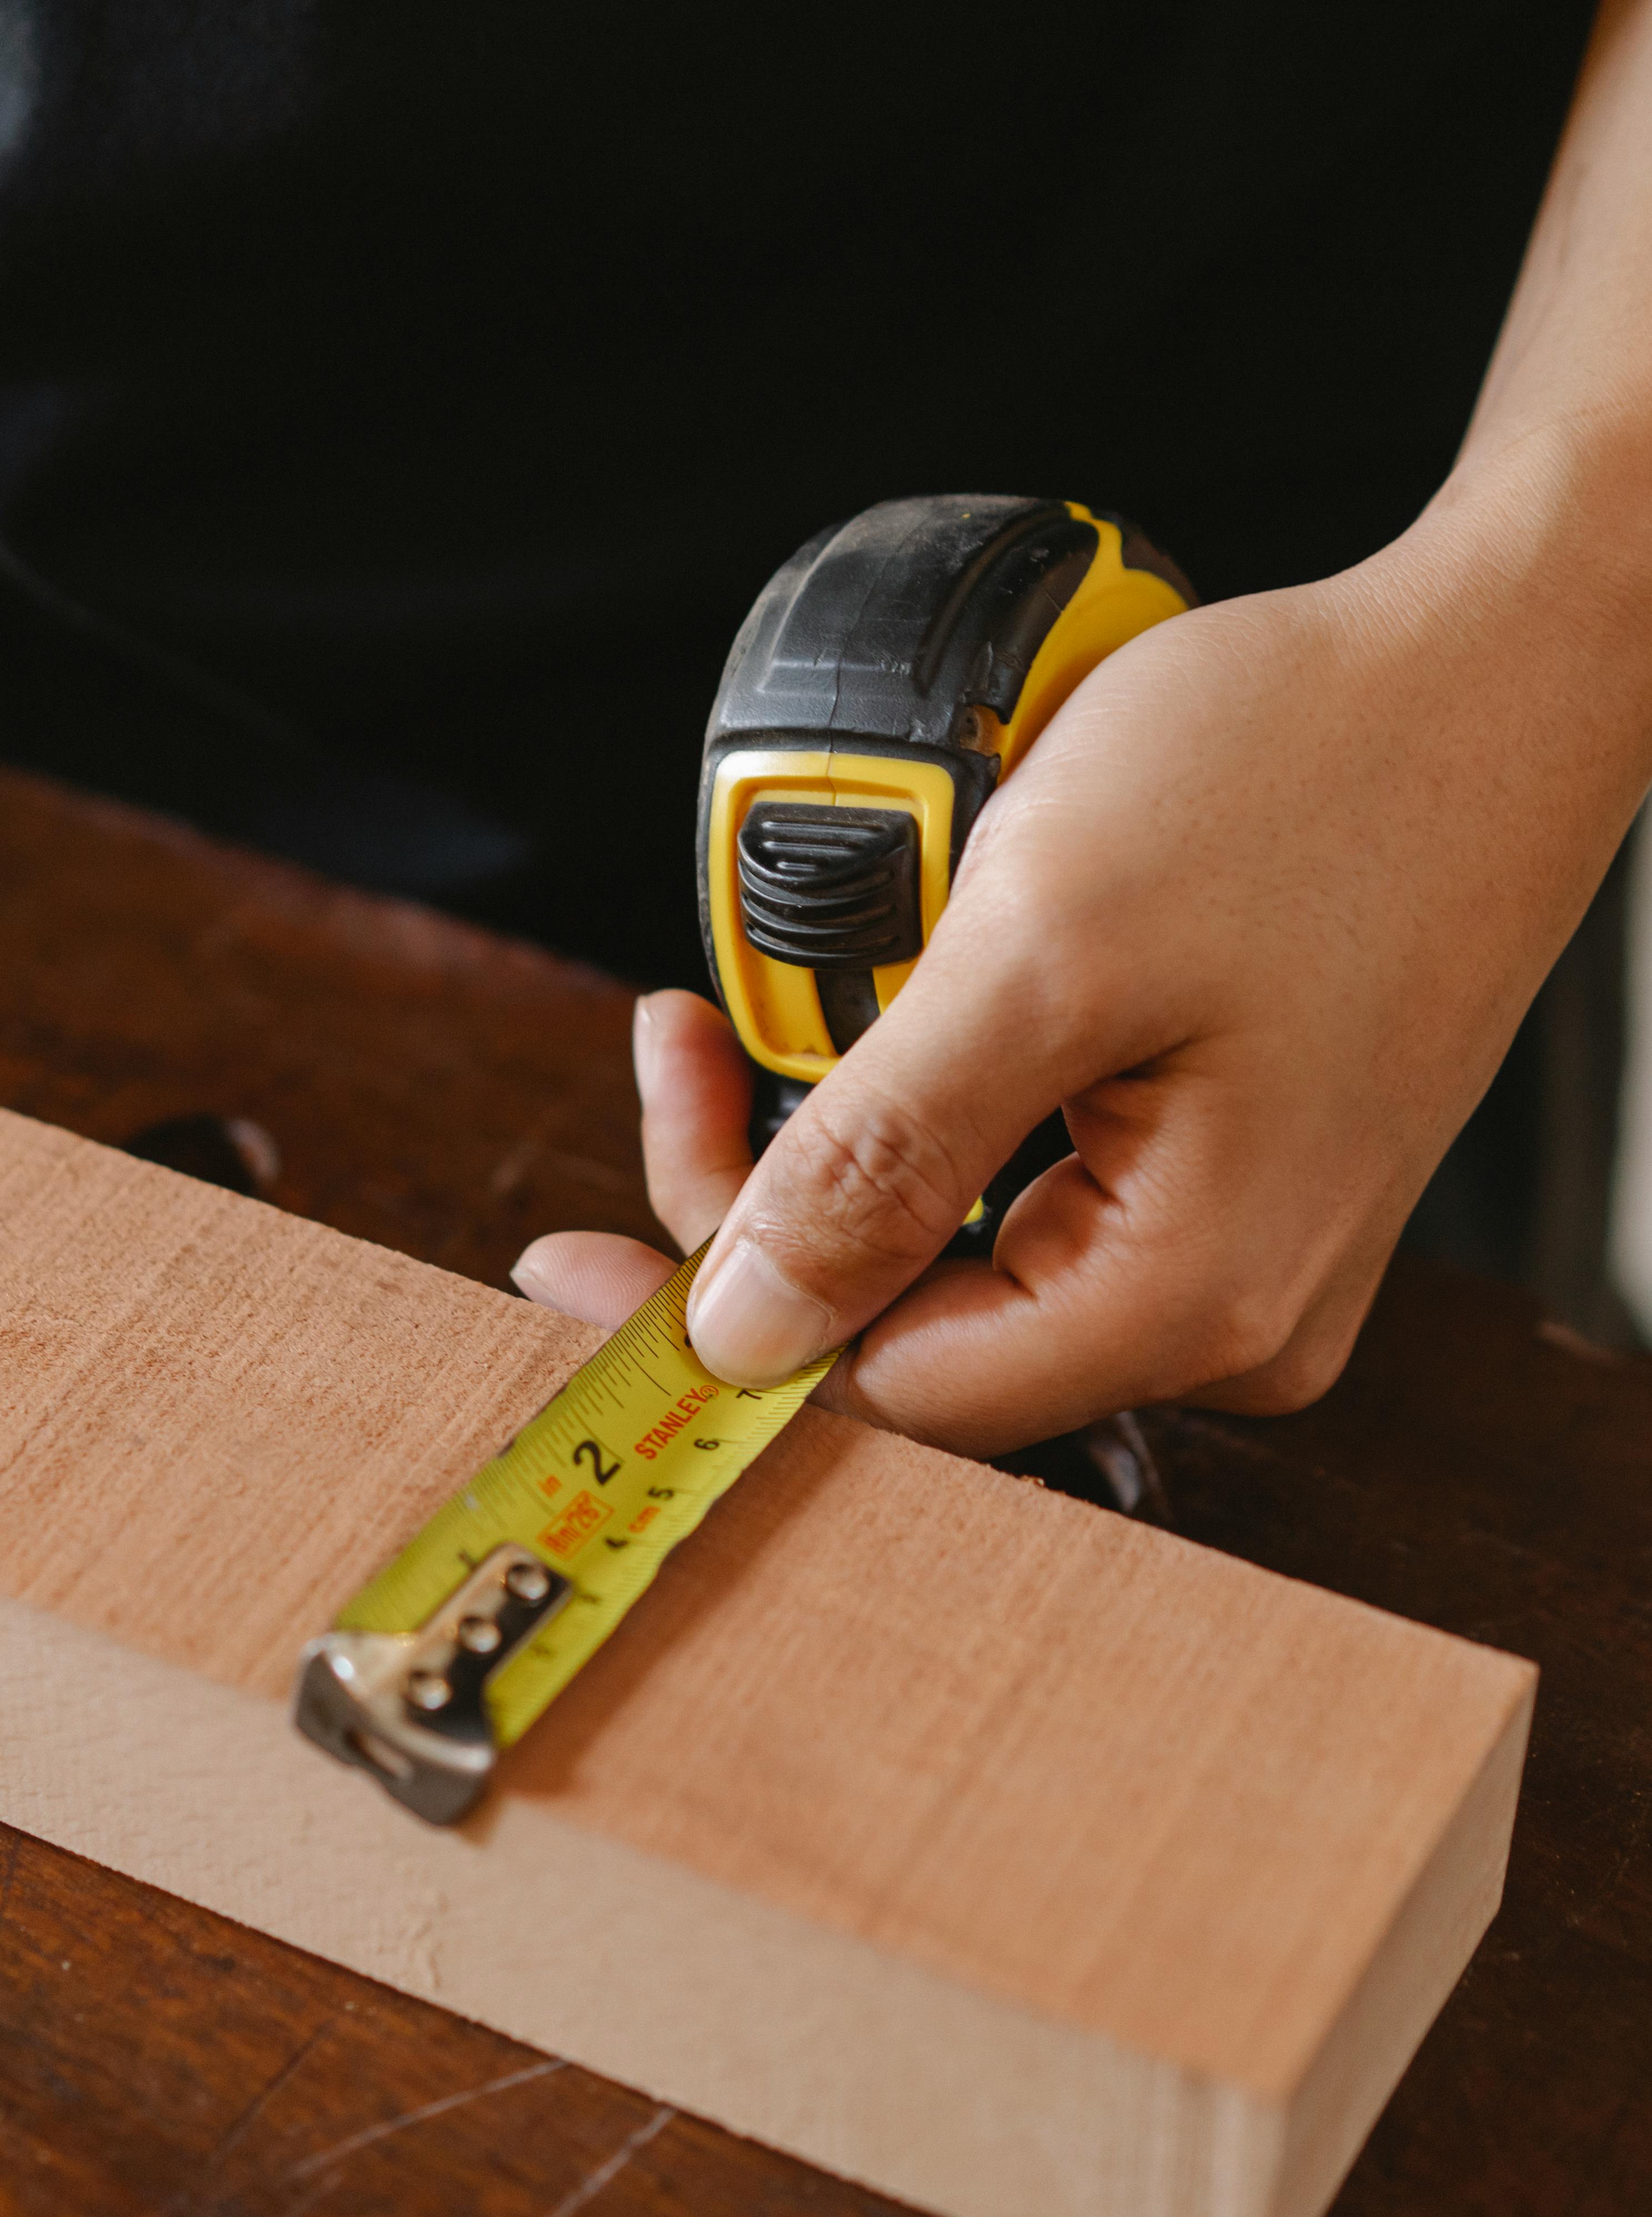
{"x": 977, "y": 1776}
{"x": 1474, "y": 1469}
{"x": 1485, "y": 1470}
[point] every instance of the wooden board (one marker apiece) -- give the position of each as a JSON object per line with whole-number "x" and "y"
{"x": 1039, "y": 1860}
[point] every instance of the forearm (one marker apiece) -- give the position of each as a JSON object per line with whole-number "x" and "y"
{"x": 1553, "y": 487}
{"x": 1522, "y": 593}
{"x": 1574, "y": 362}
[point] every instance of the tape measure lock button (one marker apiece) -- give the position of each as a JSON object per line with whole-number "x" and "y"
{"x": 830, "y": 888}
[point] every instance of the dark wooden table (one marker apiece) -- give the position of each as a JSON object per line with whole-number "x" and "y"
{"x": 444, "y": 1093}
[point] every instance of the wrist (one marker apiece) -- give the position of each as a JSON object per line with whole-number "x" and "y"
{"x": 1526, "y": 585}
{"x": 1502, "y": 654}
{"x": 1541, "y": 540}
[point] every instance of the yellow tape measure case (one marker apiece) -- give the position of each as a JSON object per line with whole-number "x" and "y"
{"x": 888, "y": 677}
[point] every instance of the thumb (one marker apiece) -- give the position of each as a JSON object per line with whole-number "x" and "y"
{"x": 875, "y": 1171}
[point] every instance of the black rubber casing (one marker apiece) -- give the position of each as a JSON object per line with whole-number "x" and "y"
{"x": 886, "y": 634}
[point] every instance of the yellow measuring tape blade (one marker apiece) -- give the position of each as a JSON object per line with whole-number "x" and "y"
{"x": 601, "y": 1486}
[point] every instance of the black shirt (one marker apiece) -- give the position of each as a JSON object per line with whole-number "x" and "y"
{"x": 402, "y": 403}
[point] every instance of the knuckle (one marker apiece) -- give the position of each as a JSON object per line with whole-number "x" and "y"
{"x": 1314, "y": 1362}
{"x": 876, "y": 1179}
{"x": 1296, "y": 1380}
{"x": 1307, "y": 1356}
{"x": 1247, "y": 1332}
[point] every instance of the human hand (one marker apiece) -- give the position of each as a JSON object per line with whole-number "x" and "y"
{"x": 1260, "y": 913}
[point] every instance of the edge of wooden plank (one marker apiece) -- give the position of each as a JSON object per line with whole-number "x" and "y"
{"x": 1108, "y": 2111}
{"x": 807, "y": 2038}
{"x": 1424, "y": 1954}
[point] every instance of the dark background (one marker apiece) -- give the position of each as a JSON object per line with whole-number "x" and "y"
{"x": 400, "y": 405}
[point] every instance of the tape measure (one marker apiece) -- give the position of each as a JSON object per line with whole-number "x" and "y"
{"x": 450, "y": 1653}
{"x": 886, "y": 681}
{"x": 888, "y": 677}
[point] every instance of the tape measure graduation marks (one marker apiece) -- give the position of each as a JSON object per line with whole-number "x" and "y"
{"x": 452, "y": 1650}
